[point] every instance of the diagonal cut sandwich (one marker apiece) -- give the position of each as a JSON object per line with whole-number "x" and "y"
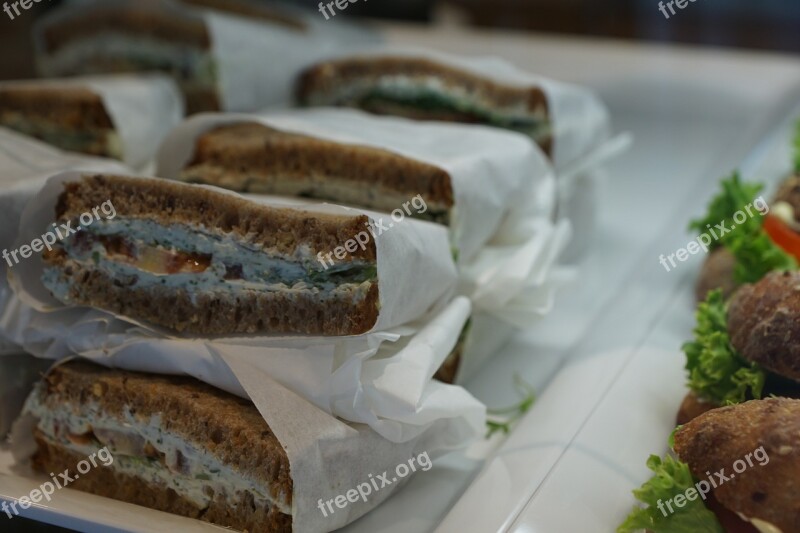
{"x": 169, "y": 443}
{"x": 68, "y": 116}
{"x": 107, "y": 39}
{"x": 746, "y": 349}
{"x": 427, "y": 89}
{"x": 202, "y": 261}
{"x": 737, "y": 471}
{"x": 253, "y": 157}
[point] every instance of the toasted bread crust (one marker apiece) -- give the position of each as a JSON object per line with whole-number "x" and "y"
{"x": 168, "y": 202}
{"x": 66, "y": 104}
{"x": 255, "y": 149}
{"x": 221, "y": 423}
{"x": 764, "y": 323}
{"x": 324, "y": 76}
{"x": 164, "y": 25}
{"x": 719, "y": 438}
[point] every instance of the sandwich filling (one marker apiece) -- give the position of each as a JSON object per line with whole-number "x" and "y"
{"x": 142, "y": 448}
{"x": 145, "y": 254}
{"x": 94, "y": 141}
{"x": 120, "y": 52}
{"x": 430, "y": 97}
{"x": 317, "y": 185}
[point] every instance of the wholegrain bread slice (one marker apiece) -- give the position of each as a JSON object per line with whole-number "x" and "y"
{"x": 348, "y": 82}
{"x": 227, "y": 427}
{"x": 338, "y": 305}
{"x": 252, "y": 157}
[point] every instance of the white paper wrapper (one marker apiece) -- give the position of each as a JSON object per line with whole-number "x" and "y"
{"x": 415, "y": 270}
{"x": 472, "y": 157}
{"x": 256, "y": 61}
{"x": 142, "y": 109}
{"x": 25, "y": 165}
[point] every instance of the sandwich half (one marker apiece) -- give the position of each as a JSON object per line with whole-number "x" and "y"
{"x": 747, "y": 348}
{"x": 252, "y": 157}
{"x": 168, "y": 443}
{"x": 67, "y": 116}
{"x": 206, "y": 262}
{"x": 426, "y": 89}
{"x": 737, "y": 470}
{"x": 102, "y": 39}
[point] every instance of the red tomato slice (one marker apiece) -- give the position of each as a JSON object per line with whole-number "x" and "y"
{"x": 782, "y": 235}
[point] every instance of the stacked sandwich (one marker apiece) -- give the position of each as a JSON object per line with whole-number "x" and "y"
{"x": 194, "y": 320}
{"x": 743, "y": 380}
{"x": 502, "y": 237}
{"x": 184, "y": 279}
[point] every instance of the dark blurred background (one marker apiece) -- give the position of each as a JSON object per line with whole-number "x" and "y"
{"x": 757, "y": 24}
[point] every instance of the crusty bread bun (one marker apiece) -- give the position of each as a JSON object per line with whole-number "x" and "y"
{"x": 767, "y": 486}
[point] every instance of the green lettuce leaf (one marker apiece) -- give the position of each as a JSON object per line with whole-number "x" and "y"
{"x": 735, "y": 195}
{"x": 756, "y": 255}
{"x": 717, "y": 372}
{"x": 671, "y": 478}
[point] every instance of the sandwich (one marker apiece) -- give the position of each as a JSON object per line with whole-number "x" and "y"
{"x": 110, "y": 39}
{"x": 746, "y": 237}
{"x": 254, "y": 158}
{"x": 747, "y": 348}
{"x": 206, "y": 262}
{"x": 427, "y": 89}
{"x": 768, "y": 240}
{"x": 736, "y": 470}
{"x": 169, "y": 443}
{"x": 68, "y": 116}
